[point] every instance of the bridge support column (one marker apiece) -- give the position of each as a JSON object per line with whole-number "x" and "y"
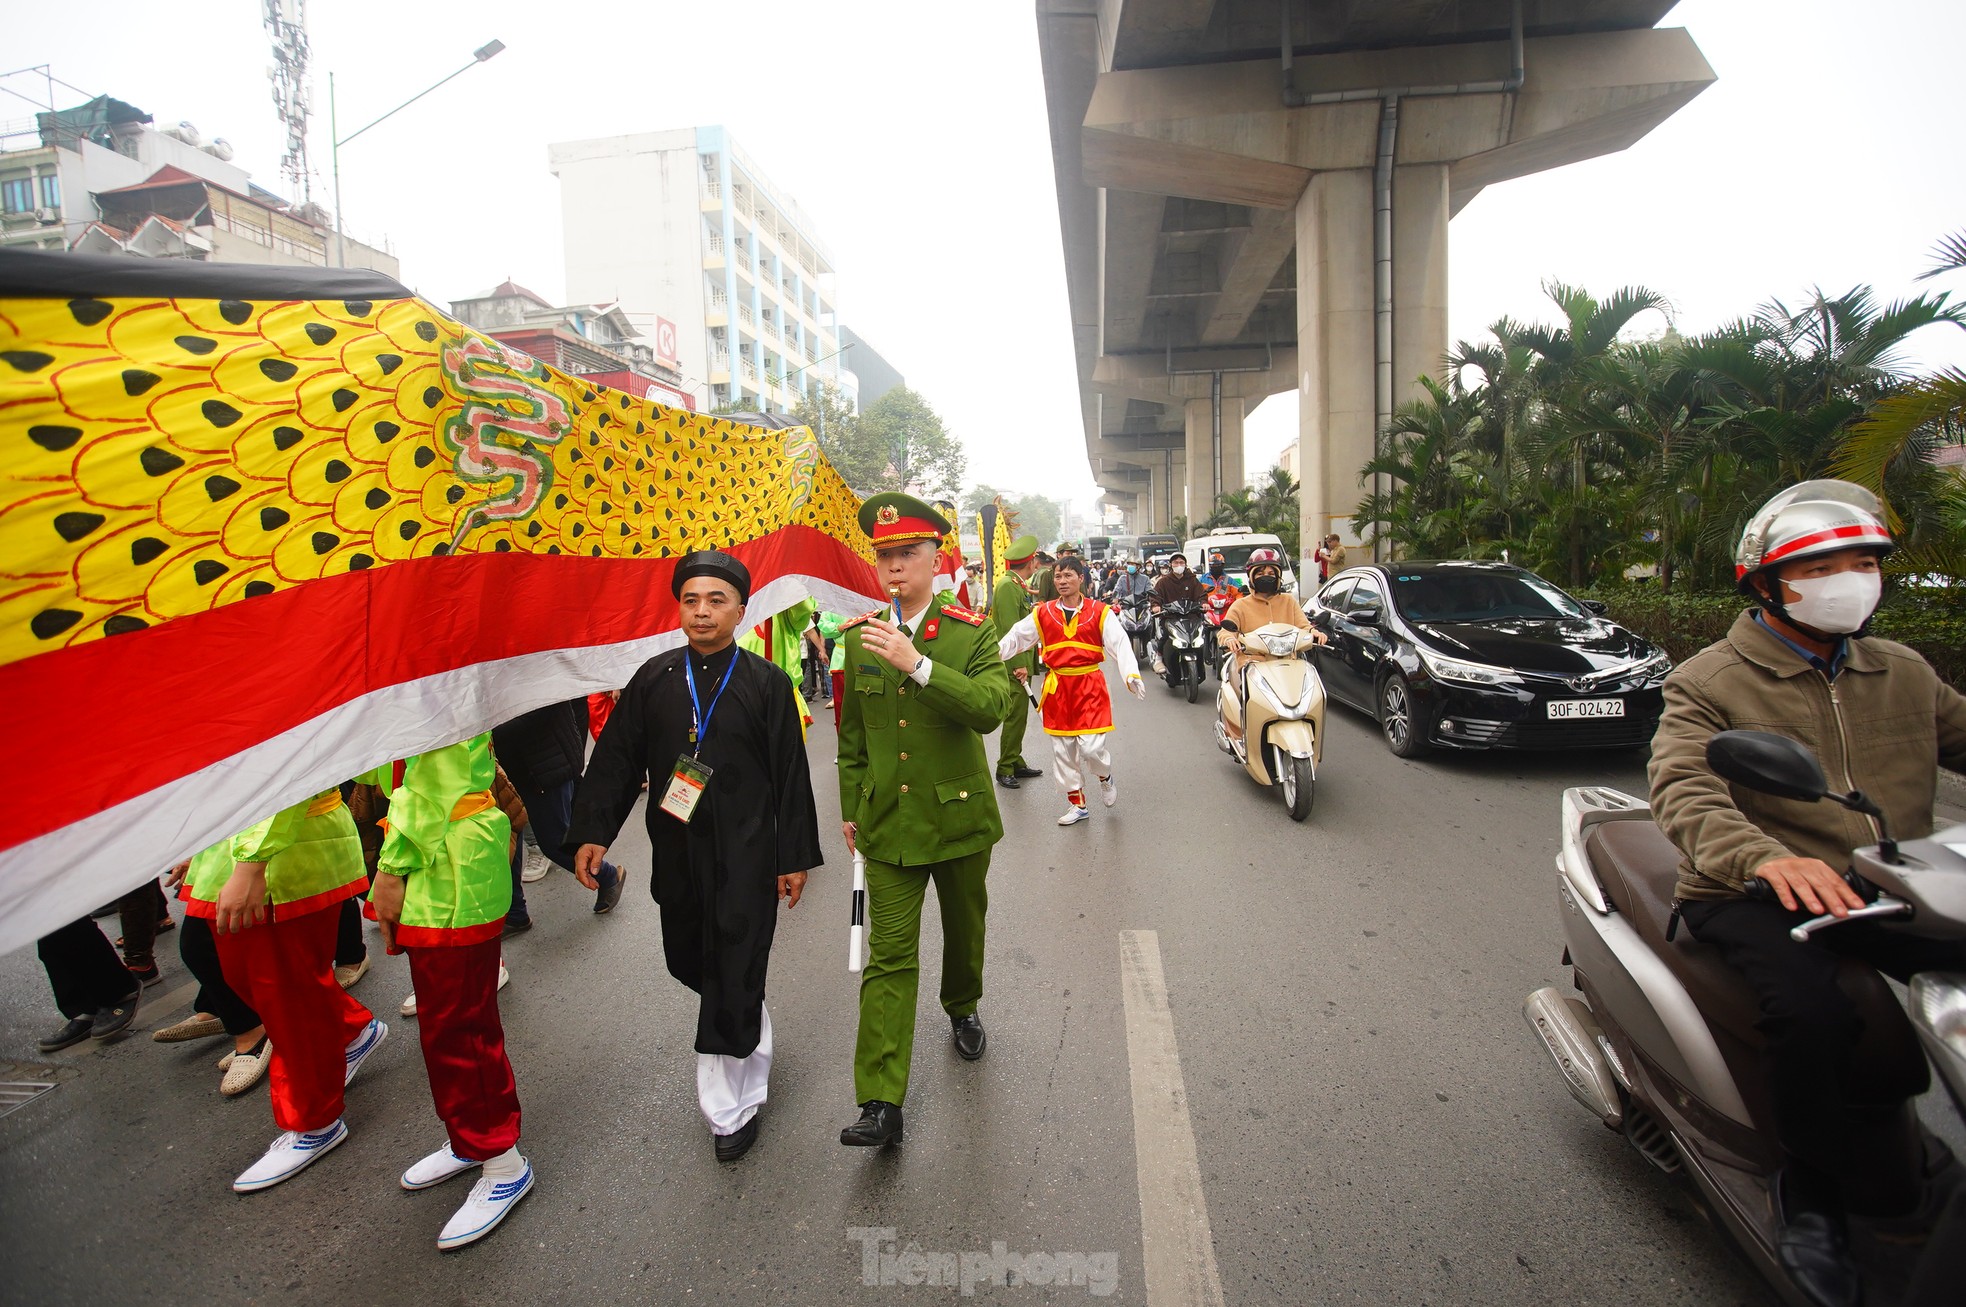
{"x": 1205, "y": 482}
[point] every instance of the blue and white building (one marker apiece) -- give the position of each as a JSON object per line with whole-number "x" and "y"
{"x": 688, "y": 235}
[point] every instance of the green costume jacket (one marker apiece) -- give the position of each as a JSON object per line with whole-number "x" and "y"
{"x": 1011, "y": 603}
{"x": 913, "y": 775}
{"x": 449, "y": 841}
{"x": 312, "y": 854}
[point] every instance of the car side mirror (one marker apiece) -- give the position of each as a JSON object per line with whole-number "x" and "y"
{"x": 1597, "y": 606}
{"x": 1771, "y": 764}
{"x": 1366, "y": 616}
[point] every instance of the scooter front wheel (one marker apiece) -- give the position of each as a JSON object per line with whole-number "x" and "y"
{"x": 1194, "y": 683}
{"x": 1295, "y": 779}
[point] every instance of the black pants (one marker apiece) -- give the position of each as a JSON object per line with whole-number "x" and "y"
{"x": 1863, "y": 1154}
{"x": 349, "y": 946}
{"x": 138, "y": 912}
{"x": 84, "y": 970}
{"x": 199, "y": 950}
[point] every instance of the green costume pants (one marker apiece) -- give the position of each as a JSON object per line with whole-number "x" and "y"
{"x": 1010, "y": 745}
{"x": 888, "y": 986}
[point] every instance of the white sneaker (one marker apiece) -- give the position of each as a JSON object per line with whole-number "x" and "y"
{"x": 1074, "y": 814}
{"x": 409, "y": 1005}
{"x": 1109, "y": 792}
{"x": 360, "y": 1047}
{"x": 504, "y": 976}
{"x": 490, "y": 1201}
{"x": 437, "y": 1168}
{"x": 535, "y": 866}
{"x": 290, "y": 1154}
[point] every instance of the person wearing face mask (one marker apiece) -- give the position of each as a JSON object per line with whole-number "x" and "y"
{"x": 1801, "y": 662}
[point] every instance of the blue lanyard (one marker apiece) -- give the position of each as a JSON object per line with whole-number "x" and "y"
{"x": 700, "y": 720}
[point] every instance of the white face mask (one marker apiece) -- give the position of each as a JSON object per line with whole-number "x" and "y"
{"x": 1837, "y": 604}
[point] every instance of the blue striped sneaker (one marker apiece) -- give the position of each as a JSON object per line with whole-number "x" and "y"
{"x": 361, "y": 1046}
{"x": 490, "y": 1200}
{"x": 290, "y": 1154}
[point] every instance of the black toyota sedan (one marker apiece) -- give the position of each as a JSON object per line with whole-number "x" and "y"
{"x": 1482, "y": 655}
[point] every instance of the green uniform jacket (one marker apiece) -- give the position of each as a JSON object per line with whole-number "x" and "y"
{"x": 913, "y": 775}
{"x": 1010, "y": 604}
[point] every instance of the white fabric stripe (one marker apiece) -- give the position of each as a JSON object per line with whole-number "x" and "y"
{"x": 730, "y": 1090}
{"x": 49, "y": 881}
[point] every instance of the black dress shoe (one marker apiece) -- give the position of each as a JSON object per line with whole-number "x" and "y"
{"x": 970, "y": 1038}
{"x": 879, "y": 1124}
{"x": 1026, "y": 773}
{"x": 734, "y": 1145}
{"x": 113, "y": 1019}
{"x": 74, "y": 1032}
{"x": 1010, "y": 782}
{"x": 1815, "y": 1251}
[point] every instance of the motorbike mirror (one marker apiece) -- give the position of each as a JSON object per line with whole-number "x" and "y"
{"x": 1231, "y": 627}
{"x": 1771, "y": 764}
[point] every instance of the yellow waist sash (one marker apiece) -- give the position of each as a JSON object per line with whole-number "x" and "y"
{"x": 472, "y": 804}
{"x": 324, "y": 804}
{"x": 1052, "y": 674}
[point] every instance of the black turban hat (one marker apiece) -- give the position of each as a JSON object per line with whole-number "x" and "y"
{"x": 712, "y": 562}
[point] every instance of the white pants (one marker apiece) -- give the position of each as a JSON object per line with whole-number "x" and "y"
{"x": 730, "y": 1089}
{"x": 1076, "y": 757}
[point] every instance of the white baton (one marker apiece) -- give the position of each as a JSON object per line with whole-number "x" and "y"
{"x": 856, "y": 934}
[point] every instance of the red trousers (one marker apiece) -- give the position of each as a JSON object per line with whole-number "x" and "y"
{"x": 839, "y": 690}
{"x": 284, "y": 970}
{"x": 464, "y": 1046}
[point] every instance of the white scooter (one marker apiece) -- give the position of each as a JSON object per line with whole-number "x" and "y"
{"x": 1282, "y": 717}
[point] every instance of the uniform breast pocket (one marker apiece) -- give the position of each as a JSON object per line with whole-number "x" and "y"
{"x": 966, "y": 805}
{"x": 875, "y": 702}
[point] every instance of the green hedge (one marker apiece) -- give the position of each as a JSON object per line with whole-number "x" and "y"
{"x": 1930, "y": 621}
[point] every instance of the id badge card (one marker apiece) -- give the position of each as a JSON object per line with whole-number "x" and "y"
{"x": 685, "y": 788}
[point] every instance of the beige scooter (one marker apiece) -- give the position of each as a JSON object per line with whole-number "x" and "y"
{"x": 1281, "y": 727}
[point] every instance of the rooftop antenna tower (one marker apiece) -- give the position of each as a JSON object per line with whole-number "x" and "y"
{"x": 286, "y": 24}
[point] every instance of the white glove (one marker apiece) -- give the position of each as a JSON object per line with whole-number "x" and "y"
{"x": 1138, "y": 686}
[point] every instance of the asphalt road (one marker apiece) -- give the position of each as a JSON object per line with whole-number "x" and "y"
{"x": 1371, "y": 1120}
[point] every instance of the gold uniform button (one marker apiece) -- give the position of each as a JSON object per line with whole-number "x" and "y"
{"x": 904, "y": 721}
{"x": 904, "y": 757}
{"x": 962, "y": 794}
{"x": 904, "y": 789}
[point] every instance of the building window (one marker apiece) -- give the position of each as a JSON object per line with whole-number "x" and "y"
{"x": 17, "y": 194}
{"x": 50, "y": 191}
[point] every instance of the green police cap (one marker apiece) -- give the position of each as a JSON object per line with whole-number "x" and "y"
{"x": 1021, "y": 549}
{"x": 893, "y": 518}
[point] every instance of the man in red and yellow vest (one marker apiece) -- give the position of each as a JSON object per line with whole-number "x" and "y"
{"x": 1076, "y": 635}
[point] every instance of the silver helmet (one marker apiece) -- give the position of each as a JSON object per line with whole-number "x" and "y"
{"x": 1815, "y": 517}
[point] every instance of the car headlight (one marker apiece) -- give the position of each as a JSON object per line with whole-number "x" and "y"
{"x": 1653, "y": 668}
{"x": 1937, "y": 1002}
{"x": 1453, "y": 669}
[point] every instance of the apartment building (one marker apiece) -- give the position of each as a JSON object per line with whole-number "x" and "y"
{"x": 683, "y": 224}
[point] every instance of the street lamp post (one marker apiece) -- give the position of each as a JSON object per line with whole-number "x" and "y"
{"x": 337, "y": 140}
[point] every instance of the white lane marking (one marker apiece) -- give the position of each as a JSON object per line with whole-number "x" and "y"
{"x": 1177, "y": 1248}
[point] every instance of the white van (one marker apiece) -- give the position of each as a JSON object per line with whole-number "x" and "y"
{"x": 1236, "y": 545}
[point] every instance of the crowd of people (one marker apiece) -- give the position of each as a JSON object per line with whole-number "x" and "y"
{"x": 714, "y": 732}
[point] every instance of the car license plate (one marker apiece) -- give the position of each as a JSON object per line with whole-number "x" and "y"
{"x": 1564, "y": 710}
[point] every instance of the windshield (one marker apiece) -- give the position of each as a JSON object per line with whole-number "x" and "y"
{"x": 1480, "y": 597}
{"x": 1235, "y": 557}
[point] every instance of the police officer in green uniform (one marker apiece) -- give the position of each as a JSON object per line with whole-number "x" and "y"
{"x": 1010, "y": 604}
{"x": 915, "y": 798}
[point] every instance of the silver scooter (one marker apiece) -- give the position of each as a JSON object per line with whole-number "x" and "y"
{"x": 1661, "y": 1045}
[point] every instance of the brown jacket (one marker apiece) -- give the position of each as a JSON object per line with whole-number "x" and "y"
{"x": 1883, "y": 727}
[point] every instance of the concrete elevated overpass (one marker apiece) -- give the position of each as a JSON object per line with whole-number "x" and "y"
{"x": 1255, "y": 194}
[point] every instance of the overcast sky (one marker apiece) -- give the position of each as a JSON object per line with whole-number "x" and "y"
{"x": 914, "y": 134}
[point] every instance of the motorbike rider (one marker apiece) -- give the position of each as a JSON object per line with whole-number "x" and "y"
{"x": 1266, "y": 603}
{"x": 1800, "y": 662}
{"x": 1175, "y": 585}
{"x": 1222, "y": 594}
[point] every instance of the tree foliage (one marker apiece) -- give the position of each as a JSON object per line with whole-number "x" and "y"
{"x": 1585, "y": 455}
{"x": 899, "y": 443}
